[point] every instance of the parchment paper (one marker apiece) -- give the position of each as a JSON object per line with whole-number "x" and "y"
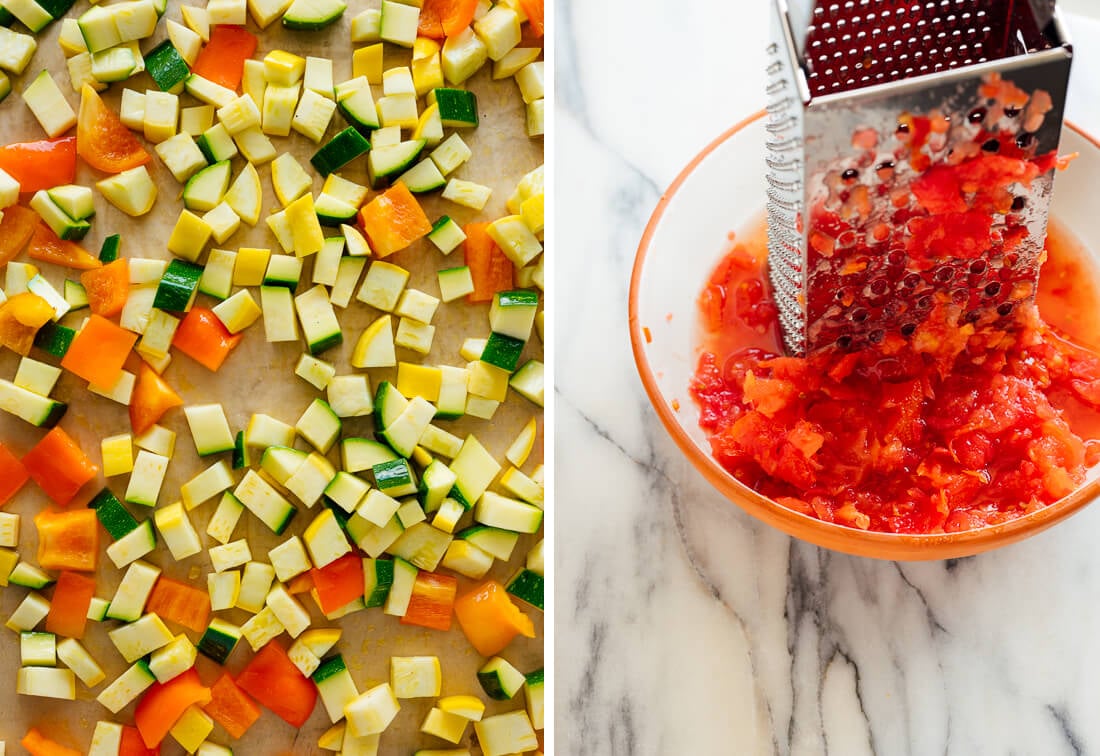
{"x": 259, "y": 377}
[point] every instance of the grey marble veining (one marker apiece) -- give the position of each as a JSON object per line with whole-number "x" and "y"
{"x": 683, "y": 625}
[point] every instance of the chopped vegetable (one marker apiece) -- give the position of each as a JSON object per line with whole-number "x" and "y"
{"x": 489, "y": 618}
{"x": 444, "y": 18}
{"x": 164, "y": 703}
{"x": 432, "y": 601}
{"x": 58, "y": 466}
{"x": 72, "y": 596}
{"x": 99, "y": 351}
{"x": 47, "y": 247}
{"x": 231, "y": 707}
{"x": 102, "y": 139}
{"x": 273, "y": 680}
{"x": 67, "y": 540}
{"x": 40, "y": 165}
{"x": 393, "y": 220}
{"x": 204, "y": 338}
{"x": 222, "y": 59}
{"x": 490, "y": 269}
{"x": 107, "y": 287}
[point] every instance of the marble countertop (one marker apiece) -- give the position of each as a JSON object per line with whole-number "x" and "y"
{"x": 683, "y": 625}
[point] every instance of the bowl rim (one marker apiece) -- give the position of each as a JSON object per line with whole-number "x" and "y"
{"x": 841, "y": 538}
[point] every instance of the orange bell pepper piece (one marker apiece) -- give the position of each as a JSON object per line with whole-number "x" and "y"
{"x": 535, "y": 13}
{"x": 99, "y": 351}
{"x": 272, "y": 679}
{"x": 204, "y": 338}
{"x": 107, "y": 287}
{"x": 39, "y": 745}
{"x": 13, "y": 475}
{"x": 181, "y": 603}
{"x": 20, "y": 318}
{"x": 69, "y": 606}
{"x": 58, "y": 466}
{"x": 164, "y": 703}
{"x": 490, "y": 269}
{"x": 338, "y": 583}
{"x": 393, "y": 220}
{"x": 489, "y": 618}
{"x": 48, "y": 247}
{"x": 445, "y": 18}
{"x": 132, "y": 744}
{"x": 67, "y": 540}
{"x": 16, "y": 228}
{"x": 231, "y": 707}
{"x": 40, "y": 165}
{"x": 432, "y": 602}
{"x": 300, "y": 584}
{"x": 103, "y": 140}
{"x": 222, "y": 59}
{"x": 152, "y": 397}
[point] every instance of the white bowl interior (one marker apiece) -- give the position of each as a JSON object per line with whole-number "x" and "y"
{"x": 724, "y": 192}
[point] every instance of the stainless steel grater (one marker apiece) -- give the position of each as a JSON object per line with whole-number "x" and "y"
{"x": 866, "y": 98}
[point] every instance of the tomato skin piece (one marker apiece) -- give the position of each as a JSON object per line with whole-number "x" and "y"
{"x": 40, "y": 165}
{"x": 101, "y": 138}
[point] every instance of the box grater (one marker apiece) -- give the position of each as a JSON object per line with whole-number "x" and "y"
{"x": 868, "y": 100}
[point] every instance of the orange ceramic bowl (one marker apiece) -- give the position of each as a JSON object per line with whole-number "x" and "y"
{"x": 720, "y": 191}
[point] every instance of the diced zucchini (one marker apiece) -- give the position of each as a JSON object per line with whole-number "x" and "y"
{"x": 404, "y": 576}
{"x": 223, "y": 587}
{"x": 457, "y": 109}
{"x": 255, "y": 584}
{"x": 47, "y": 682}
{"x": 225, "y": 518}
{"x": 209, "y": 429}
{"x": 506, "y": 734}
{"x": 126, "y": 687}
{"x": 335, "y": 686}
{"x": 399, "y": 23}
{"x": 219, "y": 639}
{"x": 339, "y": 151}
{"x": 371, "y": 712}
{"x": 319, "y": 323}
{"x": 356, "y": 102}
{"x": 312, "y": 15}
{"x": 135, "y": 544}
{"x": 265, "y": 502}
{"x": 463, "y": 55}
{"x": 392, "y": 160}
{"x": 166, "y": 66}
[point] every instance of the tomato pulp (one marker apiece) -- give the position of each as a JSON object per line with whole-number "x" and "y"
{"x": 956, "y": 427}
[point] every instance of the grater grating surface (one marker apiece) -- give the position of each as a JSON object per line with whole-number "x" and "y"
{"x": 875, "y": 108}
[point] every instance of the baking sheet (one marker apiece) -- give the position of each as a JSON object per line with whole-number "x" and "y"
{"x": 259, "y": 377}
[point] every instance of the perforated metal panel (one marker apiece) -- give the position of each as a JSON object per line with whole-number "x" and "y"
{"x": 847, "y": 82}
